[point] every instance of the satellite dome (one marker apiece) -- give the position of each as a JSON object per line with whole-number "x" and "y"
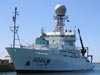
{"x": 60, "y": 9}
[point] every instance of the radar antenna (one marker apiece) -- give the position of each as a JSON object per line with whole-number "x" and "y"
{"x": 60, "y": 17}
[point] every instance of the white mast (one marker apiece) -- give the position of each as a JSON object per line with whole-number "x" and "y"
{"x": 15, "y": 28}
{"x": 60, "y": 17}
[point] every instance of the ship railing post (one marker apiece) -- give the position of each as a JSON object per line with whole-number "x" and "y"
{"x": 87, "y": 50}
{"x": 91, "y": 56}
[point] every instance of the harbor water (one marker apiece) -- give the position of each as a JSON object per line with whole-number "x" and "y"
{"x": 96, "y": 71}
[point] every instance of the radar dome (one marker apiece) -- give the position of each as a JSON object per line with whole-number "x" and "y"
{"x": 60, "y": 9}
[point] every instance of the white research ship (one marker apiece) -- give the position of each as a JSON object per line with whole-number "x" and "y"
{"x": 53, "y": 51}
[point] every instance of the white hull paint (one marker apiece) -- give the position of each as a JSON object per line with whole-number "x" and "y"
{"x": 39, "y": 62}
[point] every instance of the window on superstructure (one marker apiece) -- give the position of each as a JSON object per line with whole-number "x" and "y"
{"x": 53, "y": 41}
{"x": 72, "y": 36}
{"x": 61, "y": 35}
{"x": 70, "y": 43}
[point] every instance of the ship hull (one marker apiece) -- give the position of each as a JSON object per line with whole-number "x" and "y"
{"x": 31, "y": 60}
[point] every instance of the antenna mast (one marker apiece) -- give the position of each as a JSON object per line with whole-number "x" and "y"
{"x": 60, "y": 11}
{"x": 15, "y": 27}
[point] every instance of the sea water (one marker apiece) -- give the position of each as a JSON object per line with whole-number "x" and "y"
{"x": 96, "y": 71}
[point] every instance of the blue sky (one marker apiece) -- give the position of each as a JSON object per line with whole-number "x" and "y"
{"x": 35, "y": 14}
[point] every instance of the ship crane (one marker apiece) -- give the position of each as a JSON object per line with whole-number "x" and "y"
{"x": 83, "y": 50}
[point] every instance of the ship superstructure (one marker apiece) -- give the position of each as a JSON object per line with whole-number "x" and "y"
{"x": 53, "y": 51}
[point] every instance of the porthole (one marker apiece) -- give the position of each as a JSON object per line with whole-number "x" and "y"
{"x": 27, "y": 63}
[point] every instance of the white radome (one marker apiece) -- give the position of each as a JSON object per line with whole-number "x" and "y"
{"x": 60, "y": 9}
